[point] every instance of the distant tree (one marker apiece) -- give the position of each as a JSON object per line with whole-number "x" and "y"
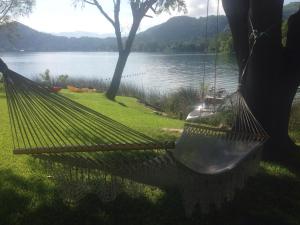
{"x": 139, "y": 9}
{"x": 225, "y": 43}
{"x": 62, "y": 79}
{"x": 46, "y": 78}
{"x": 13, "y": 8}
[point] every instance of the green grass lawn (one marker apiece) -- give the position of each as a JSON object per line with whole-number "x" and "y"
{"x": 27, "y": 196}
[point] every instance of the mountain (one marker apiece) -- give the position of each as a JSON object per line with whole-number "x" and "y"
{"x": 181, "y": 33}
{"x": 79, "y": 34}
{"x": 16, "y": 36}
{"x": 183, "y": 28}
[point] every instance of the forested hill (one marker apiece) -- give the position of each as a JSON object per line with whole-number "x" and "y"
{"x": 16, "y": 36}
{"x": 178, "y": 34}
{"x": 184, "y": 28}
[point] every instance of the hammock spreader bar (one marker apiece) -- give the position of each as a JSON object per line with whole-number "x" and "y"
{"x": 96, "y": 148}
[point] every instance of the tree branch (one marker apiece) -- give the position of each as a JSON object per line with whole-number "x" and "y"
{"x": 88, "y": 2}
{"x": 149, "y": 5}
{"x": 153, "y": 9}
{"x": 148, "y": 16}
{"x": 96, "y": 3}
{"x": 139, "y": 10}
{"x": 117, "y": 24}
{"x": 5, "y": 10}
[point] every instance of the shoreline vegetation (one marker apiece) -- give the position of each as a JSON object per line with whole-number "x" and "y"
{"x": 176, "y": 104}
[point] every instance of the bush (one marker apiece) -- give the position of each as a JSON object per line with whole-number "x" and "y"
{"x": 181, "y": 102}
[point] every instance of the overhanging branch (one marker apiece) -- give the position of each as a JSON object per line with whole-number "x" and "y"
{"x": 6, "y": 8}
{"x": 98, "y": 5}
{"x": 88, "y": 2}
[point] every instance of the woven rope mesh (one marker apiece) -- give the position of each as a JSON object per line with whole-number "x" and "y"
{"x": 45, "y": 122}
{"x": 219, "y": 141}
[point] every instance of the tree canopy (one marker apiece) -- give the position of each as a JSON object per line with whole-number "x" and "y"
{"x": 13, "y": 8}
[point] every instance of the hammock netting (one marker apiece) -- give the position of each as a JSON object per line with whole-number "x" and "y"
{"x": 221, "y": 140}
{"x": 85, "y": 151}
{"x": 45, "y": 122}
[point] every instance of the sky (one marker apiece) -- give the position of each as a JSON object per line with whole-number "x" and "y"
{"x": 54, "y": 16}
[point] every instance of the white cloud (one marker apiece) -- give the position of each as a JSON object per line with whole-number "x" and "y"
{"x": 198, "y": 8}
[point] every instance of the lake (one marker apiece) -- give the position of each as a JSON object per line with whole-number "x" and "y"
{"x": 161, "y": 72}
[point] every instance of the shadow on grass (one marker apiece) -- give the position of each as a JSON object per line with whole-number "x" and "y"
{"x": 266, "y": 200}
{"x": 32, "y": 201}
{"x": 122, "y": 104}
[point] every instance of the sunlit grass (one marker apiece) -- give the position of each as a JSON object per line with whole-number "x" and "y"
{"x": 277, "y": 170}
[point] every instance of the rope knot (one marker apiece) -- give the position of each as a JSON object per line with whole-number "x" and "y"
{"x": 3, "y": 66}
{"x": 255, "y": 34}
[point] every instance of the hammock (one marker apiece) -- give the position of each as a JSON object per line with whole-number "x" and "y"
{"x": 85, "y": 151}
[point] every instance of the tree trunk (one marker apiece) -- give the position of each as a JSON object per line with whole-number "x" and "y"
{"x": 123, "y": 56}
{"x": 269, "y": 86}
{"x": 116, "y": 80}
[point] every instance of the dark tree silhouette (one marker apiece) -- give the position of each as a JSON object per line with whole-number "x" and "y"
{"x": 272, "y": 78}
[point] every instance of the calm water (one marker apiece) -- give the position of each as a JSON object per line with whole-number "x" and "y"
{"x": 162, "y": 72}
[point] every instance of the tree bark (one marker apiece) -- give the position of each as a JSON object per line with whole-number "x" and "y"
{"x": 237, "y": 15}
{"x": 116, "y": 80}
{"x": 270, "y": 82}
{"x": 122, "y": 59}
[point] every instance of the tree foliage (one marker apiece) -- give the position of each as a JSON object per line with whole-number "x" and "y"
{"x": 13, "y": 8}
